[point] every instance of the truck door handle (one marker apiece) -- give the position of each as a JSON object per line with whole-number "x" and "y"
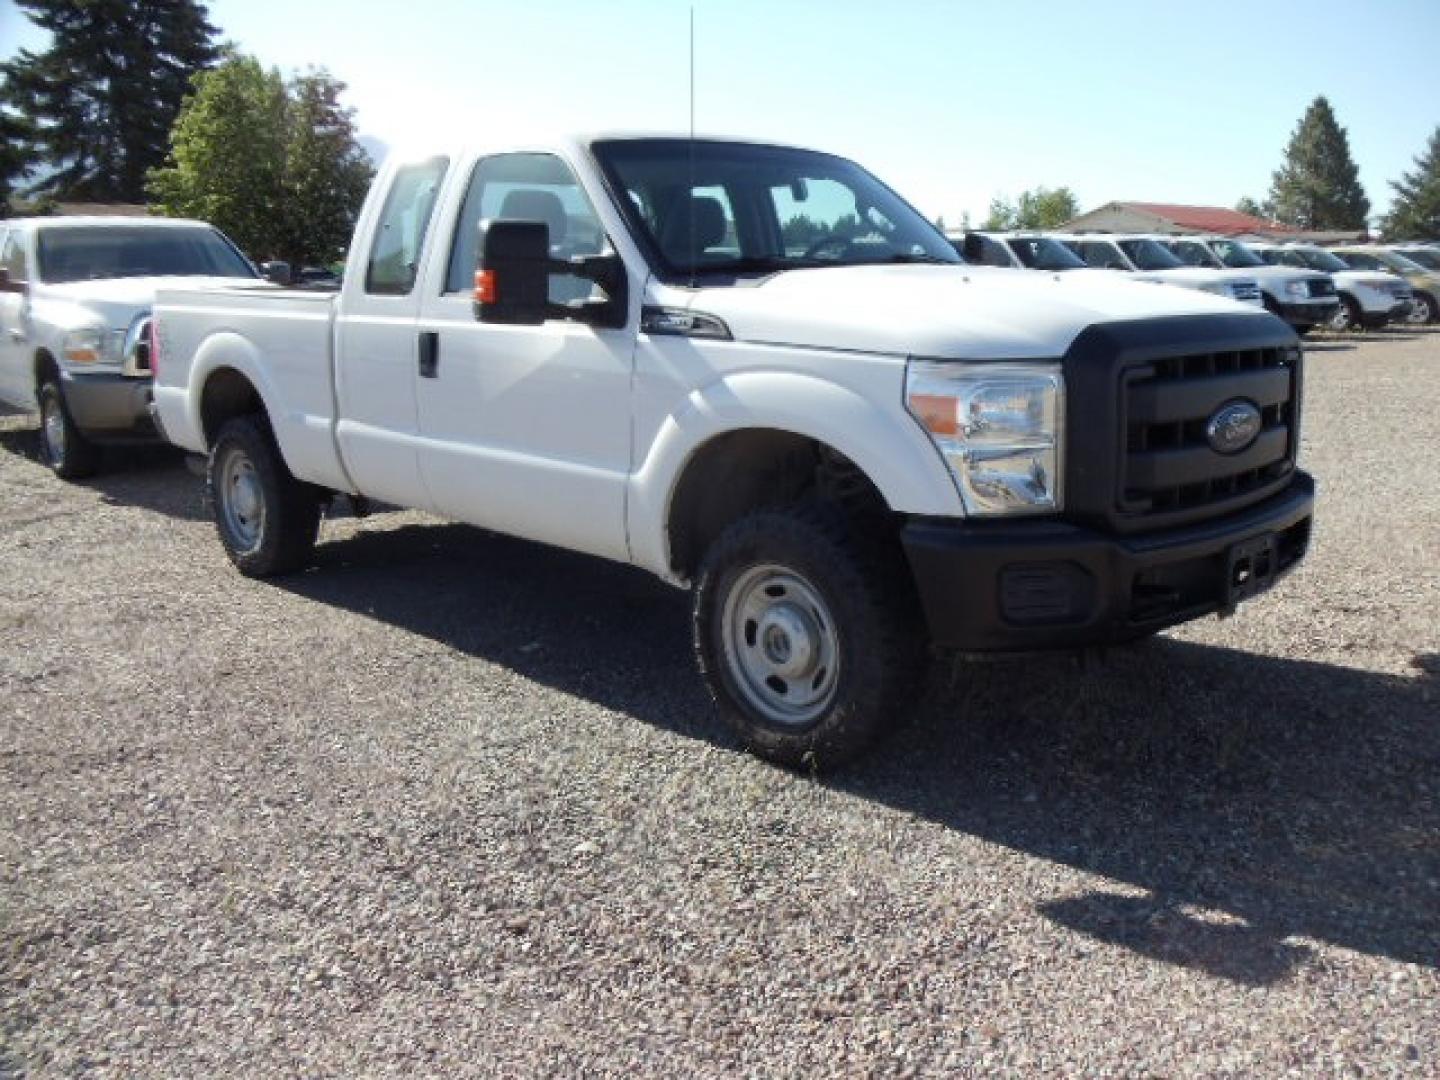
{"x": 429, "y": 354}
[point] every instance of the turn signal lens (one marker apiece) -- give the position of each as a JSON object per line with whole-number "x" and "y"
{"x": 485, "y": 286}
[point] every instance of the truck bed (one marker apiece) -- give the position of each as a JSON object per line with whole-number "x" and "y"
{"x": 291, "y": 329}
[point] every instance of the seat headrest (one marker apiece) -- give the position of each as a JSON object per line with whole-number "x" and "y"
{"x": 698, "y": 223}
{"x": 531, "y": 204}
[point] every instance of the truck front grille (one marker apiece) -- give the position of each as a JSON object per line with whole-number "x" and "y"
{"x": 1245, "y": 290}
{"x": 1168, "y": 464}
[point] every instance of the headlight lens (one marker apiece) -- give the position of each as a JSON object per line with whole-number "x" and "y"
{"x": 999, "y": 427}
{"x": 92, "y": 345}
{"x": 1297, "y": 288}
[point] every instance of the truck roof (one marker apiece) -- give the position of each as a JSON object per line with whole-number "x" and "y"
{"x": 106, "y": 222}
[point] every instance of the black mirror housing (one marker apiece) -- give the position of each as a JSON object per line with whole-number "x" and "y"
{"x": 512, "y": 281}
{"x": 276, "y": 271}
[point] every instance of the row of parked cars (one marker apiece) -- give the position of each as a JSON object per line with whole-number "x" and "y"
{"x": 1343, "y": 288}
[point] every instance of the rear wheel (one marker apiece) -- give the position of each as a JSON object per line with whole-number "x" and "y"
{"x": 1422, "y": 310}
{"x": 267, "y": 520}
{"x": 808, "y": 633}
{"x": 69, "y": 454}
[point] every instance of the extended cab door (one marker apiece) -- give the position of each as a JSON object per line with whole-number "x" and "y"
{"x": 375, "y": 341}
{"x": 526, "y": 429}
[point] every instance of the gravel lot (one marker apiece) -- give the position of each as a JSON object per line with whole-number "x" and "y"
{"x": 450, "y": 803}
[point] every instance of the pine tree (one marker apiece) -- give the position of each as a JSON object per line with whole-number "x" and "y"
{"x": 104, "y": 95}
{"x": 1415, "y": 213}
{"x": 16, "y": 157}
{"x": 277, "y": 167}
{"x": 1318, "y": 186}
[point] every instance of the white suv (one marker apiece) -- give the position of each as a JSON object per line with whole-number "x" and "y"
{"x": 1304, "y": 298}
{"x": 1142, "y": 256}
{"x": 1368, "y": 298}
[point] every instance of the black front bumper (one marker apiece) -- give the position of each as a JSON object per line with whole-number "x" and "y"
{"x": 1311, "y": 314}
{"x": 1039, "y": 585}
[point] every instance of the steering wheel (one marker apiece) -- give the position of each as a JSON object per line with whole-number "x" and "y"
{"x": 833, "y": 240}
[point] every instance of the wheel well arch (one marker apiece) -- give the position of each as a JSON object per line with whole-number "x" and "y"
{"x": 736, "y": 472}
{"x": 227, "y": 393}
{"x": 45, "y": 364}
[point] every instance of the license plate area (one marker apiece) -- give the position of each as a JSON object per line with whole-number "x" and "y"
{"x": 1249, "y": 569}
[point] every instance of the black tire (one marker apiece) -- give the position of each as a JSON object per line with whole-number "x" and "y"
{"x": 1303, "y": 329}
{"x": 267, "y": 520}
{"x": 1425, "y": 310}
{"x": 70, "y": 455}
{"x": 1349, "y": 317}
{"x": 848, "y": 583}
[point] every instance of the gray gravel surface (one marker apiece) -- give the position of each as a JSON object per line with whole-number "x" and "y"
{"x": 449, "y": 803}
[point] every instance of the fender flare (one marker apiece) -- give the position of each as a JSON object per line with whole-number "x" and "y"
{"x": 887, "y": 445}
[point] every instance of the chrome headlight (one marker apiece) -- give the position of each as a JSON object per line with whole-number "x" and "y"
{"x": 1297, "y": 289}
{"x": 999, "y": 427}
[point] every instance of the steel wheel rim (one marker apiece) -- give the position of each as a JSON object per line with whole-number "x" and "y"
{"x": 1420, "y": 311}
{"x": 1341, "y": 319}
{"x": 781, "y": 645}
{"x": 242, "y": 500}
{"x": 52, "y": 423}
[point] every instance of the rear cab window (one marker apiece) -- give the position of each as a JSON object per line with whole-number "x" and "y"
{"x": 404, "y": 222}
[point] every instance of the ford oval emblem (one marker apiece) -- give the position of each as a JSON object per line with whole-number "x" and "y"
{"x": 1233, "y": 427}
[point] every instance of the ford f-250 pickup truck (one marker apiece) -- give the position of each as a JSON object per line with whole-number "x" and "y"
{"x": 756, "y": 371}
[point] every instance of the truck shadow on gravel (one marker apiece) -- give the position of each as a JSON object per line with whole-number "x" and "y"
{"x": 1249, "y": 799}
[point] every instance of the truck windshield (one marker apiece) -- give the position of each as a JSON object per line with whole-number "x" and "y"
{"x": 1426, "y": 258}
{"x": 1236, "y": 255}
{"x": 1042, "y": 253}
{"x": 1317, "y": 259}
{"x": 1148, "y": 255}
{"x": 83, "y": 254}
{"x": 721, "y": 208}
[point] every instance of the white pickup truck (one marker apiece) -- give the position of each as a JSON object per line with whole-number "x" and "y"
{"x": 756, "y": 371}
{"x": 75, "y": 296}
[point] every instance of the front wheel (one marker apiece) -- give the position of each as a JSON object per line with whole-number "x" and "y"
{"x": 267, "y": 520}
{"x": 808, "y": 633}
{"x": 1422, "y": 310}
{"x": 69, "y": 454}
{"x": 1347, "y": 315}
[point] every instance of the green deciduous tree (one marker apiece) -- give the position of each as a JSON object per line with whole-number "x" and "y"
{"x": 1318, "y": 186}
{"x": 103, "y": 96}
{"x": 1038, "y": 208}
{"x": 1247, "y": 205}
{"x": 1415, "y": 213}
{"x": 275, "y": 165}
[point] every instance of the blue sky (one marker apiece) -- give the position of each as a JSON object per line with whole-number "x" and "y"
{"x": 950, "y": 102}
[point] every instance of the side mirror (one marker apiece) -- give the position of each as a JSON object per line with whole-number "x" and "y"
{"x": 8, "y": 286}
{"x": 276, "y": 271}
{"x": 512, "y": 279}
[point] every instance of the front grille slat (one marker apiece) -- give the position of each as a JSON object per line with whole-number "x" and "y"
{"x": 1167, "y": 464}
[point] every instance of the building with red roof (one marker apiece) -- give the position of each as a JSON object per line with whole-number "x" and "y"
{"x": 1145, "y": 217}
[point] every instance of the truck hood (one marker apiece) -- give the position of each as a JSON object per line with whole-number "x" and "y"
{"x": 1277, "y": 277}
{"x": 117, "y": 301}
{"x": 1195, "y": 277}
{"x": 939, "y": 311}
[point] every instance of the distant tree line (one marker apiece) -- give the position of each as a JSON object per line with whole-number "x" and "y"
{"x": 134, "y": 99}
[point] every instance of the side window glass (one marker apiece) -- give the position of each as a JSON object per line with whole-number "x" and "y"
{"x": 404, "y": 221}
{"x": 994, "y": 253}
{"x": 527, "y": 187}
{"x": 12, "y": 256}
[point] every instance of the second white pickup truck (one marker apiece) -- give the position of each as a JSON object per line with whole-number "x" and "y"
{"x": 756, "y": 371}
